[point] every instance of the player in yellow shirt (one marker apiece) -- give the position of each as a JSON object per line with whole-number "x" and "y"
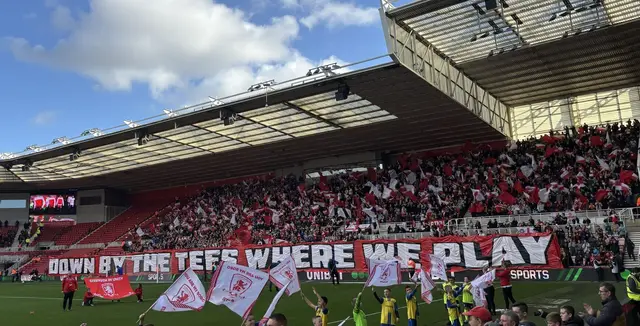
{"x": 467, "y": 297}
{"x": 452, "y": 307}
{"x": 412, "y": 305}
{"x": 454, "y": 287}
{"x": 321, "y": 308}
{"x": 389, "y": 313}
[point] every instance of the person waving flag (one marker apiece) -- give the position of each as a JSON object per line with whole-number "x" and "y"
{"x": 359, "y": 317}
{"x": 389, "y": 308}
{"x": 412, "y": 305}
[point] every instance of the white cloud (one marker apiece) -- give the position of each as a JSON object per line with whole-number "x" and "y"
{"x": 176, "y": 47}
{"x": 61, "y": 18}
{"x": 44, "y": 118}
{"x": 335, "y": 14}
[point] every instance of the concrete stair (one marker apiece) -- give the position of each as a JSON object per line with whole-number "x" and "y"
{"x": 635, "y": 237}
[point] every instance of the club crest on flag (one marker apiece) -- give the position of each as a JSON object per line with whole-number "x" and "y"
{"x": 108, "y": 289}
{"x": 288, "y": 273}
{"x": 239, "y": 284}
{"x": 385, "y": 274}
{"x": 184, "y": 296}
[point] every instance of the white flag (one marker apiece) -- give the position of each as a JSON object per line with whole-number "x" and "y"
{"x": 383, "y": 273}
{"x": 286, "y": 273}
{"x": 426, "y": 286}
{"x": 275, "y": 300}
{"x": 438, "y": 267}
{"x": 478, "y": 291}
{"x": 139, "y": 232}
{"x": 236, "y": 287}
{"x": 185, "y": 294}
{"x": 486, "y": 278}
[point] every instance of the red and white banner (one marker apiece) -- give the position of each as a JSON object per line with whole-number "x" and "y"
{"x": 525, "y": 251}
{"x": 438, "y": 267}
{"x": 486, "y": 278}
{"x": 236, "y": 287}
{"x": 383, "y": 273}
{"x": 286, "y": 273}
{"x": 426, "y": 286}
{"x": 185, "y": 294}
{"x": 111, "y": 288}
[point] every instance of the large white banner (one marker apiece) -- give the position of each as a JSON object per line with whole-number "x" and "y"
{"x": 185, "y": 294}
{"x": 236, "y": 287}
{"x": 286, "y": 273}
{"x": 383, "y": 273}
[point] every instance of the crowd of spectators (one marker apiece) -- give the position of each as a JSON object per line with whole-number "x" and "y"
{"x": 578, "y": 169}
{"x": 7, "y": 235}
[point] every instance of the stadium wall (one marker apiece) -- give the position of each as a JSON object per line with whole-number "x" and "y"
{"x": 14, "y": 214}
{"x": 90, "y": 206}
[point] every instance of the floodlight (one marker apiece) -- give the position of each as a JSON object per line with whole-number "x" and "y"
{"x": 95, "y": 132}
{"x": 75, "y": 155}
{"x": 342, "y": 93}
{"x": 130, "y": 124}
{"x": 61, "y": 140}
{"x": 169, "y": 113}
{"x": 215, "y": 101}
{"x": 26, "y": 166}
{"x": 263, "y": 85}
{"x": 34, "y": 148}
{"x": 327, "y": 70}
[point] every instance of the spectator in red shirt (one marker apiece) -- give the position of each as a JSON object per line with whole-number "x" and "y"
{"x": 88, "y": 298}
{"x": 69, "y": 287}
{"x": 504, "y": 276}
{"x": 138, "y": 292}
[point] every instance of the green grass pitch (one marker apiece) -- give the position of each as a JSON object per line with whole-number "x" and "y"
{"x": 17, "y": 301}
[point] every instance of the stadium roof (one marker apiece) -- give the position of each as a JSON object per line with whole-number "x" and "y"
{"x": 527, "y": 51}
{"x": 389, "y": 109}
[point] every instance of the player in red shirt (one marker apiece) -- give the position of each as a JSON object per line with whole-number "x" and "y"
{"x": 138, "y": 292}
{"x": 504, "y": 275}
{"x": 69, "y": 287}
{"x": 88, "y": 298}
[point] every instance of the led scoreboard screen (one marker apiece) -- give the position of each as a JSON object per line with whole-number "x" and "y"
{"x": 52, "y": 204}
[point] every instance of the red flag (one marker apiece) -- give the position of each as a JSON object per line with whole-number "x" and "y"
{"x": 447, "y": 170}
{"x": 111, "y": 288}
{"x": 518, "y": 186}
{"x": 550, "y": 151}
{"x": 507, "y": 198}
{"x": 627, "y": 176}
{"x": 596, "y": 141}
{"x": 372, "y": 174}
{"x": 601, "y": 194}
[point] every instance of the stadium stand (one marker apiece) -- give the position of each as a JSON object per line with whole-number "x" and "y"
{"x": 578, "y": 169}
{"x": 126, "y": 221}
{"x": 589, "y": 167}
{"x": 7, "y": 234}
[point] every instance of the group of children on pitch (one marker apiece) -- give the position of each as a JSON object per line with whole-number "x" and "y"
{"x": 458, "y": 302}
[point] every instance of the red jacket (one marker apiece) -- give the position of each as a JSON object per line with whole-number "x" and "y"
{"x": 504, "y": 276}
{"x": 138, "y": 291}
{"x": 69, "y": 284}
{"x": 88, "y": 295}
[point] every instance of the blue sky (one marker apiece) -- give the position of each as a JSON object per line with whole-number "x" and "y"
{"x": 71, "y": 65}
